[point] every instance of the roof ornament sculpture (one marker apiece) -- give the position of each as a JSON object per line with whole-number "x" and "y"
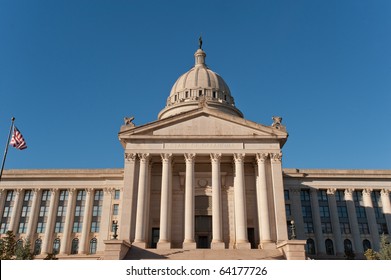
{"x": 200, "y": 42}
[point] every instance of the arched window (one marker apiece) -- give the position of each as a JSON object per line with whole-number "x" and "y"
{"x": 93, "y": 243}
{"x": 347, "y": 244}
{"x": 37, "y": 246}
{"x": 56, "y": 246}
{"x": 366, "y": 244}
{"x": 329, "y": 247}
{"x": 310, "y": 246}
{"x": 75, "y": 246}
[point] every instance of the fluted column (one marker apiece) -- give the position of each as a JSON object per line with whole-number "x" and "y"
{"x": 217, "y": 218}
{"x": 278, "y": 197}
{"x": 189, "y": 242}
{"x": 385, "y": 200}
{"x": 240, "y": 204}
{"x": 140, "y": 233}
{"x": 335, "y": 222}
{"x": 358, "y": 248}
{"x": 320, "y": 242}
{"x": 83, "y": 248}
{"x": 68, "y": 222}
{"x": 373, "y": 230}
{"x": 16, "y": 210}
{"x": 50, "y": 222}
{"x": 165, "y": 202}
{"x": 129, "y": 198}
{"x": 262, "y": 202}
{"x": 33, "y": 214}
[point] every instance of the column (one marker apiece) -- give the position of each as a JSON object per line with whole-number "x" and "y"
{"x": 385, "y": 200}
{"x": 129, "y": 198}
{"x": 3, "y": 195}
{"x": 262, "y": 202}
{"x": 339, "y": 247}
{"x": 33, "y": 214}
{"x": 84, "y": 241}
{"x": 217, "y": 217}
{"x": 13, "y": 226}
{"x": 358, "y": 248}
{"x": 320, "y": 241}
{"x": 278, "y": 197}
{"x": 297, "y": 213}
{"x": 140, "y": 240}
{"x": 240, "y": 204}
{"x": 370, "y": 212}
{"x": 189, "y": 242}
{"x": 165, "y": 202}
{"x": 68, "y": 222}
{"x": 47, "y": 239}
{"x": 105, "y": 219}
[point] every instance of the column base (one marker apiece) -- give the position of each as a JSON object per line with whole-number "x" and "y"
{"x": 218, "y": 245}
{"x": 243, "y": 245}
{"x": 163, "y": 245}
{"x": 189, "y": 245}
{"x": 140, "y": 244}
{"x": 267, "y": 245}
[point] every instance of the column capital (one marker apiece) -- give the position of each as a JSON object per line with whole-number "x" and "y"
{"x": 239, "y": 157}
{"x": 331, "y": 191}
{"x": 144, "y": 157}
{"x": 295, "y": 191}
{"x": 349, "y": 192}
{"x": 71, "y": 191}
{"x": 88, "y": 190}
{"x": 262, "y": 157}
{"x": 215, "y": 157}
{"x": 18, "y": 191}
{"x": 130, "y": 156}
{"x": 276, "y": 157}
{"x": 366, "y": 192}
{"x": 109, "y": 190}
{"x": 166, "y": 158}
{"x": 385, "y": 192}
{"x": 189, "y": 157}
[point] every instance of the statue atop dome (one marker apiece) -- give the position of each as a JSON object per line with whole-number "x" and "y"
{"x": 200, "y": 42}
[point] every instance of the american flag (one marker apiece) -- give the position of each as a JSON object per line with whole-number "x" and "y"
{"x": 17, "y": 140}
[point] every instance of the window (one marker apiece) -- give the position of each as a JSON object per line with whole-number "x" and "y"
{"x": 214, "y": 94}
{"x": 78, "y": 211}
{"x": 116, "y": 194}
{"x": 329, "y": 247}
{"x": 364, "y": 228}
{"x": 286, "y": 194}
{"x": 115, "y": 209}
{"x": 25, "y": 211}
{"x": 306, "y": 210}
{"x": 22, "y": 227}
{"x": 94, "y": 226}
{"x": 366, "y": 244}
{"x": 326, "y": 227}
{"x": 348, "y": 248}
{"x": 41, "y": 227}
{"x": 345, "y": 228}
{"x": 322, "y": 195}
{"x": 63, "y": 195}
{"x": 56, "y": 246}
{"x": 10, "y": 195}
{"x": 76, "y": 227}
{"x": 382, "y": 228}
{"x": 324, "y": 211}
{"x": 288, "y": 210}
{"x": 308, "y": 227}
{"x": 81, "y": 195}
{"x": 96, "y": 210}
{"x": 59, "y": 227}
{"x": 75, "y": 246}
{"x": 305, "y": 195}
{"x": 27, "y": 195}
{"x": 93, "y": 243}
{"x": 61, "y": 210}
{"x": 98, "y": 195}
{"x": 342, "y": 211}
{"x": 45, "y": 195}
{"x": 360, "y": 211}
{"x": 310, "y": 247}
{"x": 199, "y": 92}
{"x": 339, "y": 195}
{"x": 37, "y": 246}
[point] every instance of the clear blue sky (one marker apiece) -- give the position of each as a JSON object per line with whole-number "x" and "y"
{"x": 71, "y": 70}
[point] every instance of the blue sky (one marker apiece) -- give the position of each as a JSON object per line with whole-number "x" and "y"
{"x": 71, "y": 70}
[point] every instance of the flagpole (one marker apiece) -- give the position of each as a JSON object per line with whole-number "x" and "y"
{"x": 6, "y": 147}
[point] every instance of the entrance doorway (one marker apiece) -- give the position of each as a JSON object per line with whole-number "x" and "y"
{"x": 203, "y": 231}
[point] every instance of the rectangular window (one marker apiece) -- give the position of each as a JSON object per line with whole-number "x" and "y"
{"x": 364, "y": 228}
{"x": 3, "y": 227}
{"x": 63, "y": 195}
{"x": 25, "y": 211}
{"x": 61, "y": 210}
{"x": 115, "y": 209}
{"x": 10, "y": 196}
{"x": 326, "y": 228}
{"x": 345, "y": 228}
{"x": 342, "y": 211}
{"x": 340, "y": 195}
{"x": 306, "y": 210}
{"x": 41, "y": 227}
{"x": 78, "y": 211}
{"x": 116, "y": 194}
{"x": 286, "y": 194}
{"x": 22, "y": 228}
{"x": 305, "y": 195}
{"x": 324, "y": 211}
{"x": 287, "y": 210}
{"x": 45, "y": 195}
{"x": 322, "y": 195}
{"x": 59, "y": 227}
{"x": 94, "y": 226}
{"x": 98, "y": 195}
{"x": 76, "y": 227}
{"x": 308, "y": 227}
{"x": 360, "y": 211}
{"x": 96, "y": 210}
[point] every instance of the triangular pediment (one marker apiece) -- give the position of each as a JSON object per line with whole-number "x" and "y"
{"x": 205, "y": 123}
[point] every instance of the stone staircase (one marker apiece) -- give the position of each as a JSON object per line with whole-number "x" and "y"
{"x": 136, "y": 253}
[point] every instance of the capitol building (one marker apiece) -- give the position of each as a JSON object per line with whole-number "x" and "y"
{"x": 200, "y": 182}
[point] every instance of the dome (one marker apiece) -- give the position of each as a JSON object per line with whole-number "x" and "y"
{"x": 199, "y": 86}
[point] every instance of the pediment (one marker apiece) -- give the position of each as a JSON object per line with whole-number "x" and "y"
{"x": 204, "y": 123}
